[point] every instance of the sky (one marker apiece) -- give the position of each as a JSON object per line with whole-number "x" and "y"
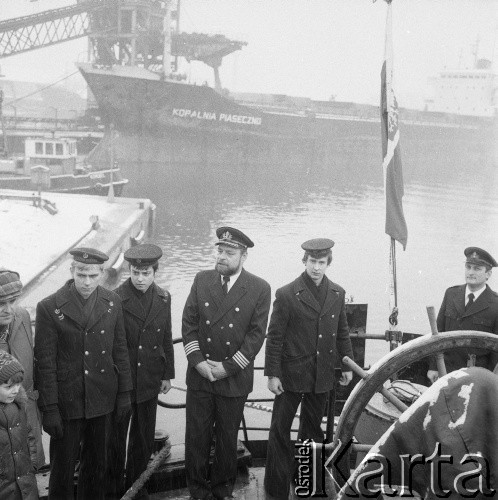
{"x": 311, "y": 48}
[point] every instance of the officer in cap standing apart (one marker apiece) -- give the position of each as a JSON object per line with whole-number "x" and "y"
{"x": 308, "y": 329}
{"x": 147, "y": 319}
{"x": 16, "y": 338}
{"x": 82, "y": 373}
{"x": 473, "y": 306}
{"x": 223, "y": 327}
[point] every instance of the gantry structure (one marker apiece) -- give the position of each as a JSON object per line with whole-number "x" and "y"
{"x": 124, "y": 32}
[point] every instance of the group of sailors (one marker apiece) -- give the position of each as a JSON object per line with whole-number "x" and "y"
{"x": 101, "y": 358}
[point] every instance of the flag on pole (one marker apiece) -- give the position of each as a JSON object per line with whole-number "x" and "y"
{"x": 391, "y": 152}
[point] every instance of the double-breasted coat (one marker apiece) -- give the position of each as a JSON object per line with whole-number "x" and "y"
{"x": 227, "y": 328}
{"x": 482, "y": 315}
{"x": 149, "y": 341}
{"x": 81, "y": 368}
{"x": 304, "y": 339}
{"x": 21, "y": 347}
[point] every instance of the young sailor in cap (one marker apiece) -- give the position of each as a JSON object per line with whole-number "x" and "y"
{"x": 308, "y": 329}
{"x": 473, "y": 306}
{"x": 82, "y": 373}
{"x": 223, "y": 327}
{"x": 147, "y": 319}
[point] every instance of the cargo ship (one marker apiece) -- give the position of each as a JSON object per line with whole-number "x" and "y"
{"x": 162, "y": 117}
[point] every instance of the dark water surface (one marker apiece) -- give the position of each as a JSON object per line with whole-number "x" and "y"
{"x": 448, "y": 206}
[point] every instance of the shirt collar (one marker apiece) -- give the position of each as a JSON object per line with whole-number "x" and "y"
{"x": 233, "y": 279}
{"x": 476, "y": 294}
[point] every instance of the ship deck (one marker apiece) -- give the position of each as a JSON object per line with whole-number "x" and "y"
{"x": 249, "y": 484}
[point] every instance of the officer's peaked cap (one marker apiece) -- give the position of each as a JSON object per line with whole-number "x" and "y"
{"x": 479, "y": 256}
{"x": 233, "y": 238}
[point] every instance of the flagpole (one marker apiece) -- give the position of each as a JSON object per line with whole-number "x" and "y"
{"x": 388, "y": 57}
{"x": 392, "y": 172}
{"x": 393, "y": 270}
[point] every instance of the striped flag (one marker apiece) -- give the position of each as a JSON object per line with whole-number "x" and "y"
{"x": 391, "y": 152}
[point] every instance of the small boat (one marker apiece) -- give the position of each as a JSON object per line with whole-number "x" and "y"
{"x": 53, "y": 165}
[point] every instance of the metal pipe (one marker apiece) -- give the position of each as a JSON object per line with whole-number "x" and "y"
{"x": 363, "y": 374}
{"x": 441, "y": 367}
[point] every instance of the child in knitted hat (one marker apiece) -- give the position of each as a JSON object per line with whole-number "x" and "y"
{"x": 16, "y": 337}
{"x": 17, "y": 480}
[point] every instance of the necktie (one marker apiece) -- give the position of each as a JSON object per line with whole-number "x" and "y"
{"x": 471, "y": 300}
{"x": 226, "y": 279}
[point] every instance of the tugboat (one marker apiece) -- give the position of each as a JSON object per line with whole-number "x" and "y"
{"x": 53, "y": 163}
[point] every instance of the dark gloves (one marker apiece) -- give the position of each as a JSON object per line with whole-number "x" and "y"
{"x": 52, "y": 422}
{"x": 123, "y": 406}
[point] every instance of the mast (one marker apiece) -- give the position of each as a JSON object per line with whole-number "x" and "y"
{"x": 167, "y": 40}
{"x": 177, "y": 29}
{"x": 392, "y": 171}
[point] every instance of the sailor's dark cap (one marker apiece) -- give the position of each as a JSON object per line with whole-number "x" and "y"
{"x": 317, "y": 245}
{"x": 143, "y": 255}
{"x": 88, "y": 255}
{"x": 233, "y": 238}
{"x": 479, "y": 256}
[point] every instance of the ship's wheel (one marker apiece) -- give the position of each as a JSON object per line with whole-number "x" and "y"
{"x": 382, "y": 371}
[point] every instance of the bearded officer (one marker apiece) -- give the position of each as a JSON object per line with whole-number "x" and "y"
{"x": 473, "y": 306}
{"x": 82, "y": 373}
{"x": 308, "y": 329}
{"x": 223, "y": 328}
{"x": 147, "y": 319}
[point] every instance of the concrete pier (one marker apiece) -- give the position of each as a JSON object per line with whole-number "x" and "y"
{"x": 36, "y": 238}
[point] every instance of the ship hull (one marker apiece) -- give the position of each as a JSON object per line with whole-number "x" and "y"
{"x": 168, "y": 121}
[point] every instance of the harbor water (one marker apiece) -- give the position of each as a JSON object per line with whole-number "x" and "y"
{"x": 448, "y": 206}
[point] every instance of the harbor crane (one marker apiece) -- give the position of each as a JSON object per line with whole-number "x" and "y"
{"x": 124, "y": 32}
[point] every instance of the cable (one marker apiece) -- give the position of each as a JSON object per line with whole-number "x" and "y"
{"x": 42, "y": 89}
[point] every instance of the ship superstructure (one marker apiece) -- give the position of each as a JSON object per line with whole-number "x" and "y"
{"x": 470, "y": 92}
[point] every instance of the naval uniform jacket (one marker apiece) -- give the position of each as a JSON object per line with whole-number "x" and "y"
{"x": 21, "y": 347}
{"x": 304, "y": 338}
{"x": 149, "y": 340}
{"x": 482, "y": 315}
{"x": 80, "y": 368}
{"x": 227, "y": 328}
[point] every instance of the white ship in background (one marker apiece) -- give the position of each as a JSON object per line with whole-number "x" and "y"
{"x": 470, "y": 91}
